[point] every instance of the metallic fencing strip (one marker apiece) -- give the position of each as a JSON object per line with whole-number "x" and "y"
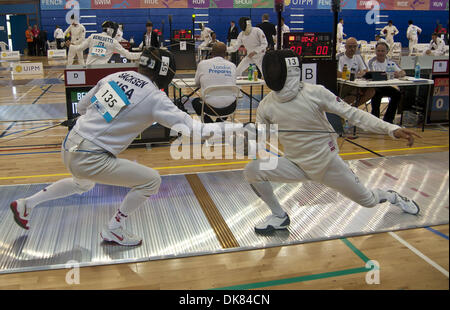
{"x": 171, "y": 223}
{"x": 319, "y": 213}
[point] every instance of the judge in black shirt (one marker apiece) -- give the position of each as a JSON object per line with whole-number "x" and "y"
{"x": 150, "y": 38}
{"x": 232, "y": 32}
{"x": 268, "y": 29}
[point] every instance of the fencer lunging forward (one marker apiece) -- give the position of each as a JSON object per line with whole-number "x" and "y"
{"x": 113, "y": 113}
{"x": 254, "y": 40}
{"x": 294, "y": 105}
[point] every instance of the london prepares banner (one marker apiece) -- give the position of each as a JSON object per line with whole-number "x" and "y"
{"x": 421, "y": 5}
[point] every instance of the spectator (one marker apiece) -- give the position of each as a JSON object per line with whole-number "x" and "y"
{"x": 35, "y": 32}
{"x": 58, "y": 34}
{"x": 29, "y": 36}
{"x": 42, "y": 43}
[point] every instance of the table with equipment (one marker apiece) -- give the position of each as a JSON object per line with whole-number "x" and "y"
{"x": 179, "y": 84}
{"x": 401, "y": 82}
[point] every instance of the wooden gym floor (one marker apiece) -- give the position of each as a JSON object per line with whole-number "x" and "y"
{"x": 408, "y": 259}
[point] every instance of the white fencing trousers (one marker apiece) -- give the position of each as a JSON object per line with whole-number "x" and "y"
{"x": 243, "y": 65}
{"x": 71, "y": 55}
{"x": 412, "y": 43}
{"x": 89, "y": 168}
{"x": 339, "y": 177}
{"x": 390, "y": 42}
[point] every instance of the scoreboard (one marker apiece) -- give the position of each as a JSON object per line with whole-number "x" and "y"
{"x": 309, "y": 45}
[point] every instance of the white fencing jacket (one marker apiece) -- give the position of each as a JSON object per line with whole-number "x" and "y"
{"x": 437, "y": 48}
{"x": 101, "y": 47}
{"x": 147, "y": 105}
{"x": 391, "y": 31}
{"x": 302, "y": 106}
{"x": 255, "y": 41}
{"x": 340, "y": 31}
{"x": 412, "y": 32}
{"x": 77, "y": 33}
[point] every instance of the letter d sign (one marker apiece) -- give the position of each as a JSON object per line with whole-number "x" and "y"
{"x": 73, "y": 275}
{"x": 373, "y": 275}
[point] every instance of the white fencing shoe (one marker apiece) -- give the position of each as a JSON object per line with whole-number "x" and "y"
{"x": 407, "y": 205}
{"x": 120, "y": 236}
{"x": 273, "y": 222}
{"x": 21, "y": 213}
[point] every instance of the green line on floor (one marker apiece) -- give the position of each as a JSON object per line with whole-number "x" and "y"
{"x": 355, "y": 250}
{"x": 295, "y": 279}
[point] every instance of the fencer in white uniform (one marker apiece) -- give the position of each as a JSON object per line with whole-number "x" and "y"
{"x": 205, "y": 36}
{"x": 340, "y": 34}
{"x": 113, "y": 114}
{"x": 436, "y": 46}
{"x": 77, "y": 36}
{"x": 103, "y": 45}
{"x": 119, "y": 34}
{"x": 412, "y": 34}
{"x": 313, "y": 156}
{"x": 389, "y": 32}
{"x": 254, "y": 41}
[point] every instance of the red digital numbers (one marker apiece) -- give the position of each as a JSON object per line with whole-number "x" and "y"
{"x": 297, "y": 49}
{"x": 322, "y": 50}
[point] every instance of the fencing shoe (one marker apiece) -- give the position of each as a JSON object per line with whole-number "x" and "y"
{"x": 21, "y": 213}
{"x": 273, "y": 222}
{"x": 120, "y": 236}
{"x": 407, "y": 205}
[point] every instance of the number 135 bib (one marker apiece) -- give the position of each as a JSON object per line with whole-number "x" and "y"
{"x": 109, "y": 100}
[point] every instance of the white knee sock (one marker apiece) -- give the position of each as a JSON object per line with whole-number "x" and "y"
{"x": 59, "y": 189}
{"x": 265, "y": 191}
{"x": 133, "y": 200}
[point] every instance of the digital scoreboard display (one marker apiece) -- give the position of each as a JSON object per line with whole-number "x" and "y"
{"x": 309, "y": 44}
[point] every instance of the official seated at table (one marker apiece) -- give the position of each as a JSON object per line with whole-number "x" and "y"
{"x": 213, "y": 39}
{"x": 353, "y": 95}
{"x": 216, "y": 71}
{"x": 436, "y": 47}
{"x": 379, "y": 63}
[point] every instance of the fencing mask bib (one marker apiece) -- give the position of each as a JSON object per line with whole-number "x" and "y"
{"x": 281, "y": 67}
{"x": 161, "y": 63}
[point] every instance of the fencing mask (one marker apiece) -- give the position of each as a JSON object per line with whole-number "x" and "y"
{"x": 159, "y": 65}
{"x": 110, "y": 28}
{"x": 245, "y": 23}
{"x": 281, "y": 67}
